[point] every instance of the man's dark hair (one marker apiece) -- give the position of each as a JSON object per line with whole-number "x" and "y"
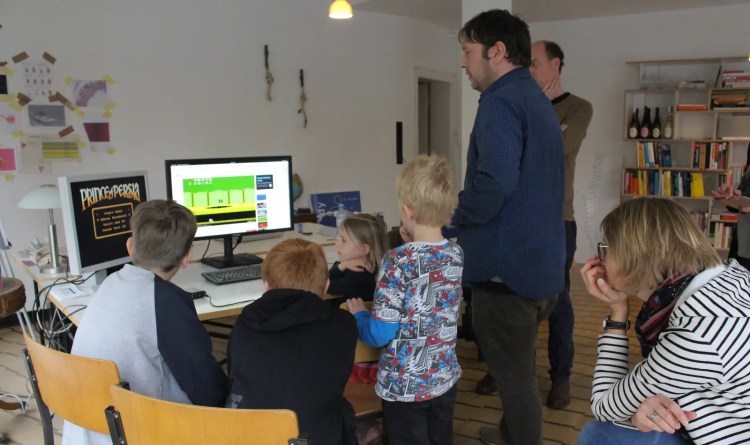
{"x": 553, "y": 50}
{"x": 499, "y": 25}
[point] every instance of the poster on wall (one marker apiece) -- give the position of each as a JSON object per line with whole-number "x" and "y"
{"x": 46, "y": 115}
{"x": 90, "y": 93}
{"x": 8, "y": 120}
{"x": 7, "y": 160}
{"x": 38, "y": 75}
{"x": 98, "y": 134}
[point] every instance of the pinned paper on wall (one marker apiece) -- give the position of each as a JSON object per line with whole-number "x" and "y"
{"x": 8, "y": 119}
{"x": 60, "y": 149}
{"x": 30, "y": 157}
{"x": 46, "y": 116}
{"x": 90, "y": 93}
{"x": 38, "y": 75}
{"x": 7, "y": 160}
{"x": 98, "y": 133}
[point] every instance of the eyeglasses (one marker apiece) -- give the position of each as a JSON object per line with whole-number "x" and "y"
{"x": 602, "y": 250}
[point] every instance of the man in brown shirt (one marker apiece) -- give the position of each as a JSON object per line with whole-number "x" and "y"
{"x": 574, "y": 114}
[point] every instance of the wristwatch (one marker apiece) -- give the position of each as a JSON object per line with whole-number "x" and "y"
{"x": 608, "y": 323}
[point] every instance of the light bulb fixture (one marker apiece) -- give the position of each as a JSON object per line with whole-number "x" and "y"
{"x": 47, "y": 197}
{"x": 340, "y": 9}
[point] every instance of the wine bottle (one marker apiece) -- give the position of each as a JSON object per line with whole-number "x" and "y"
{"x": 656, "y": 127}
{"x": 646, "y": 123}
{"x": 668, "y": 125}
{"x": 635, "y": 125}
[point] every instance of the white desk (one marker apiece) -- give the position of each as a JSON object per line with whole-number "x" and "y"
{"x": 225, "y": 300}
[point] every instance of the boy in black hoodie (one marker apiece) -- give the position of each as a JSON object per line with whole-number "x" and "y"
{"x": 290, "y": 349}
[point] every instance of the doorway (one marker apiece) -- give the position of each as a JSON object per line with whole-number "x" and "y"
{"x": 436, "y": 119}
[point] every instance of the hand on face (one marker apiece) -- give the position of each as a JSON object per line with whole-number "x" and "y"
{"x": 660, "y": 413}
{"x": 355, "y": 305}
{"x": 594, "y": 276}
{"x": 552, "y": 88}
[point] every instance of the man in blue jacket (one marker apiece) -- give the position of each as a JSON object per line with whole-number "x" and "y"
{"x": 510, "y": 215}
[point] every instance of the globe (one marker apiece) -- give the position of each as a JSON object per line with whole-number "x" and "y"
{"x": 296, "y": 187}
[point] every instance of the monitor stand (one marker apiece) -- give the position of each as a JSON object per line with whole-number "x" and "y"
{"x": 230, "y": 259}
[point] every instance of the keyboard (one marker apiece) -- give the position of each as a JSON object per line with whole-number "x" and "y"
{"x": 233, "y": 274}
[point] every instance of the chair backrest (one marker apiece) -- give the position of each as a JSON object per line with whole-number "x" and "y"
{"x": 144, "y": 420}
{"x": 364, "y": 352}
{"x": 75, "y": 388}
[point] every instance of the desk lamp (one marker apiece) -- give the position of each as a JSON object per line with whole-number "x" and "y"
{"x": 47, "y": 197}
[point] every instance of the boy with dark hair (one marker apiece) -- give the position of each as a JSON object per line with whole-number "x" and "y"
{"x": 147, "y": 325}
{"x": 415, "y": 311}
{"x": 290, "y": 349}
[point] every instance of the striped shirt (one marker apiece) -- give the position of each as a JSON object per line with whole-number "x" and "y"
{"x": 702, "y": 361}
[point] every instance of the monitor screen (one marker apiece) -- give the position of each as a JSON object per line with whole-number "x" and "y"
{"x": 96, "y": 213}
{"x": 233, "y": 197}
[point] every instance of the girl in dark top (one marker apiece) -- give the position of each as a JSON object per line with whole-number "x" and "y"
{"x": 360, "y": 246}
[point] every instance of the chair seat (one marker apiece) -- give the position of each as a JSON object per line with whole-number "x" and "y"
{"x": 363, "y": 398}
{"x": 12, "y": 296}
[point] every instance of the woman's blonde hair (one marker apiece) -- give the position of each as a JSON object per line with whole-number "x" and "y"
{"x": 367, "y": 229}
{"x": 653, "y": 239}
{"x": 426, "y": 185}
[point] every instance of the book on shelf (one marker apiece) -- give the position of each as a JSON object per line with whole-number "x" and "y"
{"x": 726, "y": 217}
{"x": 696, "y": 185}
{"x": 710, "y": 155}
{"x": 720, "y": 235}
{"x": 654, "y": 154}
{"x": 692, "y": 107}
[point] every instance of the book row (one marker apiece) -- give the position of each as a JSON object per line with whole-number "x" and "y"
{"x": 663, "y": 183}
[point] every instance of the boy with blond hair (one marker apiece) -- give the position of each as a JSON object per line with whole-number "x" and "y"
{"x": 291, "y": 350}
{"x": 415, "y": 311}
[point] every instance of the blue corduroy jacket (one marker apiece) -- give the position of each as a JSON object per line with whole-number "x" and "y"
{"x": 510, "y": 212}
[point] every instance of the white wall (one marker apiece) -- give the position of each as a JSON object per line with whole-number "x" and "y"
{"x": 595, "y": 54}
{"x": 191, "y": 83}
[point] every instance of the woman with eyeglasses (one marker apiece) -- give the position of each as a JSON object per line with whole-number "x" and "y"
{"x": 694, "y": 329}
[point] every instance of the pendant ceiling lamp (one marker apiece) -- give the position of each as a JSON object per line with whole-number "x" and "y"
{"x": 340, "y": 9}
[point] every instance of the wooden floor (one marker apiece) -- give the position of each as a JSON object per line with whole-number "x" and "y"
{"x": 472, "y": 410}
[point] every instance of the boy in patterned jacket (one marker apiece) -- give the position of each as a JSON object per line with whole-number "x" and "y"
{"x": 415, "y": 311}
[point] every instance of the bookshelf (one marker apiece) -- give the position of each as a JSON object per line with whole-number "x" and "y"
{"x": 710, "y": 134}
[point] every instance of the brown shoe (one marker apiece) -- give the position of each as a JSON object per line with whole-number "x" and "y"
{"x": 559, "y": 395}
{"x": 487, "y": 385}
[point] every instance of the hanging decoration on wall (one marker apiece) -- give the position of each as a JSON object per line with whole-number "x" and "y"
{"x": 302, "y": 97}
{"x": 269, "y": 76}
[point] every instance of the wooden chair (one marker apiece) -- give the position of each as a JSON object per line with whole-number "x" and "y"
{"x": 136, "y": 419}
{"x": 74, "y": 388}
{"x": 362, "y": 396}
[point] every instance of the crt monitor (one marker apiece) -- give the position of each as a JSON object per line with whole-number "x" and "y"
{"x": 233, "y": 197}
{"x": 96, "y": 213}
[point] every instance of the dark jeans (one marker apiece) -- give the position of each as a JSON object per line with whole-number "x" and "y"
{"x": 506, "y": 326}
{"x": 429, "y": 422}
{"x": 734, "y": 248}
{"x": 605, "y": 433}
{"x": 560, "y": 343}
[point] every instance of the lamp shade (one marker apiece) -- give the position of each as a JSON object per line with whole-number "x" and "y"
{"x": 340, "y": 9}
{"x": 45, "y": 197}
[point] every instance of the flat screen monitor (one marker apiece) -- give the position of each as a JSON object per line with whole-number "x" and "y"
{"x": 233, "y": 197}
{"x": 96, "y": 213}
